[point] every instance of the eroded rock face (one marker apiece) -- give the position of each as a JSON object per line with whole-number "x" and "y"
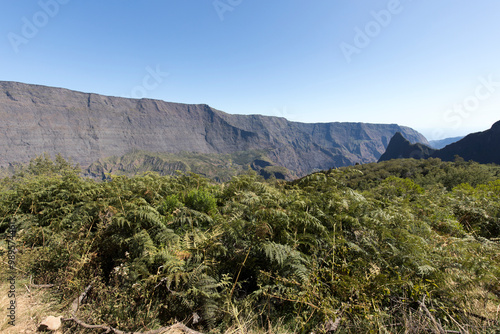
{"x": 87, "y": 127}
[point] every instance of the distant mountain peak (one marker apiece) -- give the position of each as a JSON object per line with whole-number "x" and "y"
{"x": 399, "y": 138}
{"x": 400, "y": 147}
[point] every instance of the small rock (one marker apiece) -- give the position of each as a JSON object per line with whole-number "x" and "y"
{"x": 50, "y": 323}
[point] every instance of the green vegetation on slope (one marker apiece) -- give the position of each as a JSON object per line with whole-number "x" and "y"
{"x": 348, "y": 247}
{"x": 218, "y": 167}
{"x": 425, "y": 172}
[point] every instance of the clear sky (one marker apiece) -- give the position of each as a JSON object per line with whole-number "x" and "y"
{"x": 433, "y": 65}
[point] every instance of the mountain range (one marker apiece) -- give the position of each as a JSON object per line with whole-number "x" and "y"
{"x": 87, "y": 127}
{"x": 482, "y": 147}
{"x": 440, "y": 143}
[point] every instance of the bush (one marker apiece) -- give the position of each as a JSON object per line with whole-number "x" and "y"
{"x": 202, "y": 201}
{"x": 364, "y": 247}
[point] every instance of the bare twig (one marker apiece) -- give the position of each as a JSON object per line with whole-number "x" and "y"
{"x": 462, "y": 329}
{"x": 238, "y": 276}
{"x": 27, "y": 289}
{"x": 431, "y": 317}
{"x": 42, "y": 286}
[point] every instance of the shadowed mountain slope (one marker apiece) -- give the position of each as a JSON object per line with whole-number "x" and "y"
{"x": 400, "y": 148}
{"x": 482, "y": 147}
{"x": 86, "y": 127}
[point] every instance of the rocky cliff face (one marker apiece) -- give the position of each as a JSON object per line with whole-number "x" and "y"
{"x": 87, "y": 127}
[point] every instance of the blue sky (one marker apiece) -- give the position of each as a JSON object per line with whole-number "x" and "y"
{"x": 431, "y": 65}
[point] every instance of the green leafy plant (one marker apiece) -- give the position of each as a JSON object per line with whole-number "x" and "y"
{"x": 378, "y": 248}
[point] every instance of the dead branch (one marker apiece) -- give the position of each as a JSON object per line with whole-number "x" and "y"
{"x": 110, "y": 329}
{"x": 39, "y": 286}
{"x": 78, "y": 301}
{"x": 42, "y": 286}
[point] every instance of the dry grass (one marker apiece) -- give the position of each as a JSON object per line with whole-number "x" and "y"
{"x": 35, "y": 304}
{"x": 32, "y": 306}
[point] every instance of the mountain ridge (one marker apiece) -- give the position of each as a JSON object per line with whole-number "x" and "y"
{"x": 482, "y": 147}
{"x": 87, "y": 127}
{"x": 441, "y": 143}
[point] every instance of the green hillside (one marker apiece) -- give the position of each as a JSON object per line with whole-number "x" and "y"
{"x": 398, "y": 247}
{"x": 218, "y": 167}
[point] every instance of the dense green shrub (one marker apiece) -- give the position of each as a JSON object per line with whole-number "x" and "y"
{"x": 367, "y": 246}
{"x": 201, "y": 200}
